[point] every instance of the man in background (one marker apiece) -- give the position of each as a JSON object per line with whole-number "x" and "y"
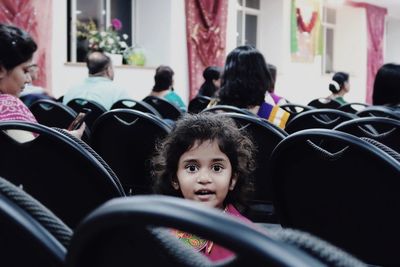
{"x": 99, "y": 86}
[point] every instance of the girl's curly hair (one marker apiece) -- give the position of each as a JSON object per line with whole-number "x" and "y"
{"x": 235, "y": 143}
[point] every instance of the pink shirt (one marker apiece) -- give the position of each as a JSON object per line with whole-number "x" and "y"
{"x": 11, "y": 108}
{"x": 213, "y": 251}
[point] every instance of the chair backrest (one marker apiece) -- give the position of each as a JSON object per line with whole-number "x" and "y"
{"x": 78, "y": 104}
{"x": 136, "y": 105}
{"x": 126, "y": 139}
{"x": 30, "y": 234}
{"x": 353, "y": 107}
{"x": 384, "y": 130}
{"x": 117, "y": 234}
{"x": 226, "y": 108}
{"x": 165, "y": 108}
{"x": 198, "y": 103}
{"x": 379, "y": 111}
{"x": 52, "y": 114}
{"x": 318, "y": 118}
{"x": 340, "y": 188}
{"x": 324, "y": 103}
{"x": 266, "y": 137}
{"x": 57, "y": 171}
{"x": 295, "y": 109}
{"x": 55, "y": 114}
{"x": 29, "y": 99}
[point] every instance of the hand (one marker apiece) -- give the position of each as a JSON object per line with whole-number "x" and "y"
{"x": 78, "y": 132}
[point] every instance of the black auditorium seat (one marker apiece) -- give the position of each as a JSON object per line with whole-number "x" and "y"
{"x": 324, "y": 103}
{"x": 266, "y": 137}
{"x": 318, "y": 118}
{"x": 136, "y": 105}
{"x": 165, "y": 108}
{"x": 198, "y": 103}
{"x": 383, "y": 130}
{"x": 78, "y": 104}
{"x": 353, "y": 107}
{"x": 227, "y": 108}
{"x": 125, "y": 139}
{"x": 31, "y": 235}
{"x": 295, "y": 109}
{"x": 55, "y": 170}
{"x": 136, "y": 229}
{"x": 379, "y": 111}
{"x": 340, "y": 188}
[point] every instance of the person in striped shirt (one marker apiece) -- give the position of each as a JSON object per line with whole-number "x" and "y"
{"x": 245, "y": 83}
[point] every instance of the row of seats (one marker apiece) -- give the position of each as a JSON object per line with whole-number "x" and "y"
{"x": 132, "y": 231}
{"x": 57, "y": 185}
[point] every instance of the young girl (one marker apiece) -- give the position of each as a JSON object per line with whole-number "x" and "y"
{"x": 206, "y": 158}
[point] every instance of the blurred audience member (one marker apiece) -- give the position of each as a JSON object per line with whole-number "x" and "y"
{"x": 245, "y": 84}
{"x": 339, "y": 86}
{"x": 212, "y": 83}
{"x": 163, "y": 87}
{"x": 278, "y": 100}
{"x": 99, "y": 86}
{"x": 387, "y": 86}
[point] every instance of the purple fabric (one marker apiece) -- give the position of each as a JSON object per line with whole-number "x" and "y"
{"x": 265, "y": 110}
{"x": 275, "y": 97}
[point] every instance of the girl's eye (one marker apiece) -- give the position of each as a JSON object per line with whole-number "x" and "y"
{"x": 191, "y": 168}
{"x": 217, "y": 168}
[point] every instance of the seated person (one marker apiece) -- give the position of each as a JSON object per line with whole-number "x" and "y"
{"x": 99, "y": 86}
{"x": 163, "y": 81}
{"x": 245, "y": 84}
{"x": 207, "y": 159}
{"x": 212, "y": 83}
{"x": 32, "y": 92}
{"x": 339, "y": 86}
{"x": 278, "y": 100}
{"x": 15, "y": 62}
{"x": 387, "y": 86}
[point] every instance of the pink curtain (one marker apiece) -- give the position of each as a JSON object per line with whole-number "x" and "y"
{"x": 376, "y": 29}
{"x": 35, "y": 17}
{"x": 205, "y": 36}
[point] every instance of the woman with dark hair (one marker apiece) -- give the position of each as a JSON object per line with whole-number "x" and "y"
{"x": 339, "y": 86}
{"x": 212, "y": 83}
{"x": 387, "y": 86}
{"x": 163, "y": 82}
{"x": 16, "y": 51}
{"x": 245, "y": 84}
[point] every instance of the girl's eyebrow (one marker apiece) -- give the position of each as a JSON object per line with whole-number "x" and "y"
{"x": 212, "y": 160}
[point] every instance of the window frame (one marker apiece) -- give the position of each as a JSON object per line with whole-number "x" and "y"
{"x": 72, "y": 19}
{"x": 325, "y": 26}
{"x": 247, "y": 11}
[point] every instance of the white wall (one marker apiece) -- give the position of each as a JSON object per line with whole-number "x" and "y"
{"x": 392, "y": 51}
{"x": 166, "y": 30}
{"x": 163, "y": 35}
{"x": 351, "y": 49}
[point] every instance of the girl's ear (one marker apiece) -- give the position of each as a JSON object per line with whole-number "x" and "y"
{"x": 233, "y": 182}
{"x": 175, "y": 184}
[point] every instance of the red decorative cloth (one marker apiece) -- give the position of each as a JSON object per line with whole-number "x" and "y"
{"x": 34, "y": 16}
{"x": 11, "y": 108}
{"x": 376, "y": 29}
{"x": 205, "y": 35}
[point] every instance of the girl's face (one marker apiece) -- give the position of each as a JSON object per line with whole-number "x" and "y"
{"x": 13, "y": 81}
{"x": 205, "y": 174}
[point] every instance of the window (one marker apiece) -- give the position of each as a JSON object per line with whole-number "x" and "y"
{"x": 328, "y": 24}
{"x": 101, "y": 12}
{"x": 248, "y": 12}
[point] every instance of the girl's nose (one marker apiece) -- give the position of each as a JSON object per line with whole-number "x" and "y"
{"x": 203, "y": 178}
